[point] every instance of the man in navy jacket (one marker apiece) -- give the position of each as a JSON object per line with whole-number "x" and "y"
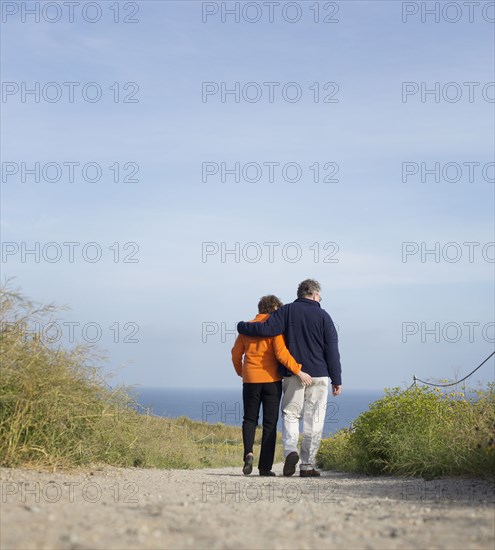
{"x": 312, "y": 340}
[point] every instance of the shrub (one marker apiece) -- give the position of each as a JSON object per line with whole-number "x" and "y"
{"x": 419, "y": 432}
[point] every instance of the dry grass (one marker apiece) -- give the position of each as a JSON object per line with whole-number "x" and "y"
{"x": 57, "y": 410}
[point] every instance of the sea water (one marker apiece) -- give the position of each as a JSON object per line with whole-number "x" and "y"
{"x": 225, "y": 405}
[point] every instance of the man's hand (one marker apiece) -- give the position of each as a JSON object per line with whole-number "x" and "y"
{"x": 336, "y": 390}
{"x": 305, "y": 378}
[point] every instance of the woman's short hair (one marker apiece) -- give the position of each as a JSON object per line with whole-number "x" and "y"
{"x": 269, "y": 304}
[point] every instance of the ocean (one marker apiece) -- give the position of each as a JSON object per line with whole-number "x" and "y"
{"x": 225, "y": 405}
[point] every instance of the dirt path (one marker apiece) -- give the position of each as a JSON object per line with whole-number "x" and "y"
{"x": 121, "y": 508}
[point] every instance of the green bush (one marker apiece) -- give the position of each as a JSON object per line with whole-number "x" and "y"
{"x": 57, "y": 410}
{"x": 418, "y": 432}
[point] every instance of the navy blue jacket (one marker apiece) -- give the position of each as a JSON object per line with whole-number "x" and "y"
{"x": 309, "y": 334}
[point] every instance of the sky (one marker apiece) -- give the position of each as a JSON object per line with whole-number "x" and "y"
{"x": 201, "y": 155}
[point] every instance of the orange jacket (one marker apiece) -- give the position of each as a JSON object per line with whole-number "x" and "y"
{"x": 260, "y": 356}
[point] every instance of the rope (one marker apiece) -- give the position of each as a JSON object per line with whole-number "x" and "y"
{"x": 415, "y": 379}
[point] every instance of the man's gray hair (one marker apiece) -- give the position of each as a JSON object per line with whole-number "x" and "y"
{"x": 308, "y": 288}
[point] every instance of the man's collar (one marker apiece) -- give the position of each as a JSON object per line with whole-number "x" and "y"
{"x": 308, "y": 301}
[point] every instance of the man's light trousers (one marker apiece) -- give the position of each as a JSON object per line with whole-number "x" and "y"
{"x": 308, "y": 403}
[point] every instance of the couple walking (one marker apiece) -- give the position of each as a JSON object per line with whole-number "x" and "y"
{"x": 302, "y": 337}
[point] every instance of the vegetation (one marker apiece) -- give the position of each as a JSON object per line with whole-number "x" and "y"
{"x": 418, "y": 432}
{"x": 57, "y": 410}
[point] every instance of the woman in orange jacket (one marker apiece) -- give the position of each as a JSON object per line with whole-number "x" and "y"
{"x": 262, "y": 385}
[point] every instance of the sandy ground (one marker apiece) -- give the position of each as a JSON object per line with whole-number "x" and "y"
{"x": 122, "y": 508}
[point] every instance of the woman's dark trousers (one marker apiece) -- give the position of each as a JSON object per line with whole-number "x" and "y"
{"x": 254, "y": 395}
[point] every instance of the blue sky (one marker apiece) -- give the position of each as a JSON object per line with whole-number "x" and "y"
{"x": 171, "y": 294}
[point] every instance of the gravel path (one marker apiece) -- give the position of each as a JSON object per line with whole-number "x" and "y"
{"x": 121, "y": 508}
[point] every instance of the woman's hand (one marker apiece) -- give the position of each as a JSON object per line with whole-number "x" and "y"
{"x": 305, "y": 378}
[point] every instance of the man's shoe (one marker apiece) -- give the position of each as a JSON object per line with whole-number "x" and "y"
{"x": 309, "y": 473}
{"x": 267, "y": 473}
{"x": 248, "y": 465}
{"x": 290, "y": 463}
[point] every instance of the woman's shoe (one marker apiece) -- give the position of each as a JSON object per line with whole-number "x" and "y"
{"x": 248, "y": 465}
{"x": 267, "y": 473}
